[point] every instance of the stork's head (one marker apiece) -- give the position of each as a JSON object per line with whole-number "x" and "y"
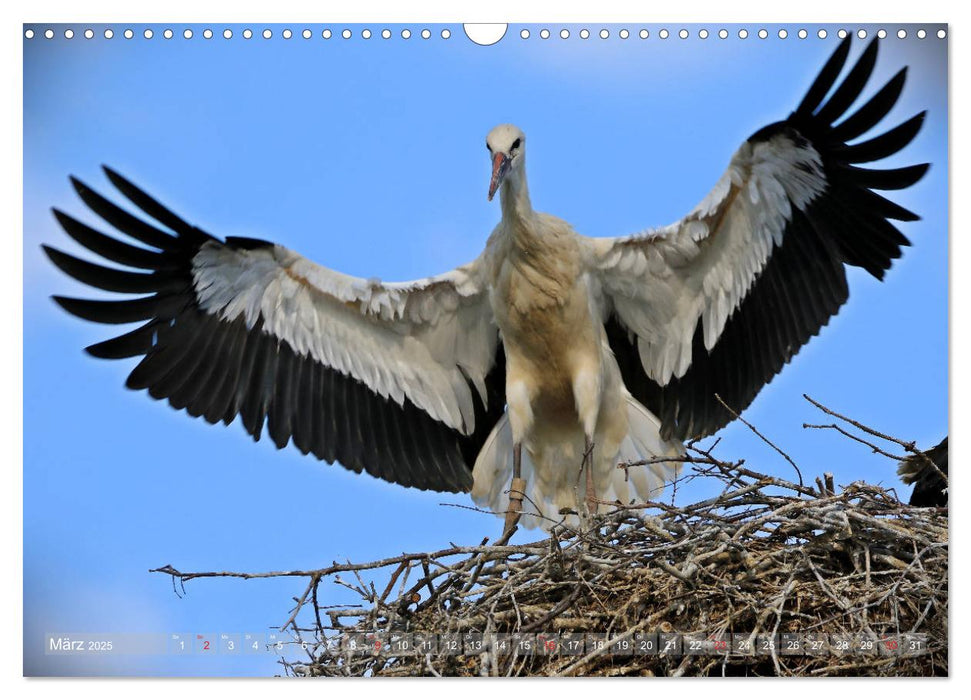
{"x": 507, "y": 150}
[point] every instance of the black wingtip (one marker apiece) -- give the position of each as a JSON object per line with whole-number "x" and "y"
{"x": 81, "y": 188}
{"x": 50, "y": 252}
{"x": 918, "y": 172}
{"x": 65, "y": 303}
{"x": 899, "y": 77}
{"x": 58, "y": 258}
{"x": 97, "y": 350}
{"x": 116, "y": 179}
{"x": 63, "y": 219}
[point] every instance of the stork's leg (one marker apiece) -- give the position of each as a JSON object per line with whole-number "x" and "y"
{"x": 516, "y": 490}
{"x": 519, "y": 407}
{"x": 591, "y": 494}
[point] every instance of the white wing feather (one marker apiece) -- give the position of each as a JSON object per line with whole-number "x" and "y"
{"x": 422, "y": 340}
{"x": 661, "y": 282}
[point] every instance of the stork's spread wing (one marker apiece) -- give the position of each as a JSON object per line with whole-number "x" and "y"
{"x": 404, "y": 381}
{"x": 720, "y": 301}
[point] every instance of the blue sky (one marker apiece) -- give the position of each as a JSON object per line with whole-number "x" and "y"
{"x": 367, "y": 156}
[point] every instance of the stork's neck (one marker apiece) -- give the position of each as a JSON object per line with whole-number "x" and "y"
{"x": 514, "y": 197}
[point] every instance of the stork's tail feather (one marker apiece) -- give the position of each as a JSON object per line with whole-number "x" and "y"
{"x": 549, "y": 486}
{"x": 644, "y": 442}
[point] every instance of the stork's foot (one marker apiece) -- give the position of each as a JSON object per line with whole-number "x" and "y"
{"x": 516, "y": 492}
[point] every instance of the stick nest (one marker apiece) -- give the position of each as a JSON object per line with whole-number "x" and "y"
{"x": 767, "y": 556}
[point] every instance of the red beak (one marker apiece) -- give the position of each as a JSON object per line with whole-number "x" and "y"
{"x": 500, "y": 166}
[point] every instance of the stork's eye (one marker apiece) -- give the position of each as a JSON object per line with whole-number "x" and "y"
{"x": 488, "y": 147}
{"x": 515, "y": 144}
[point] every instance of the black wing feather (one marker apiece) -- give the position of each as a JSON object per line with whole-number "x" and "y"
{"x": 136, "y": 342}
{"x": 850, "y": 88}
{"x": 825, "y": 80}
{"x": 871, "y": 113}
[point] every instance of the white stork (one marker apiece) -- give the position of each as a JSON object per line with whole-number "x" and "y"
{"x": 549, "y": 352}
